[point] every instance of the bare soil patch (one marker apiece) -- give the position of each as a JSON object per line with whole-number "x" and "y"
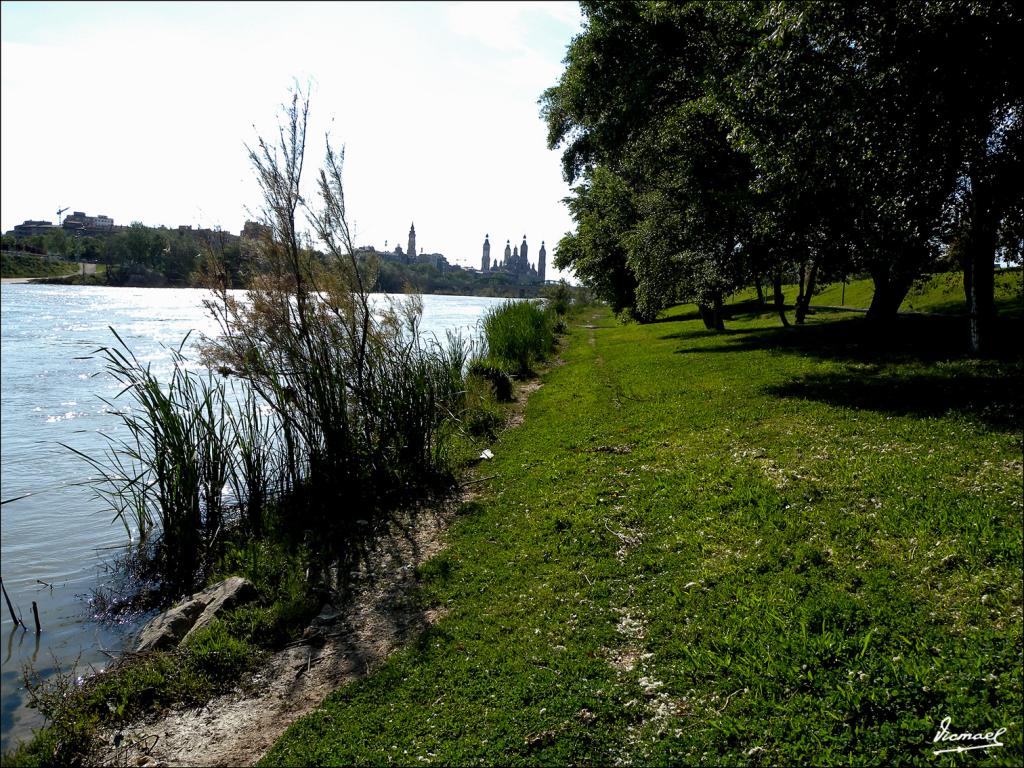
{"x": 343, "y": 643}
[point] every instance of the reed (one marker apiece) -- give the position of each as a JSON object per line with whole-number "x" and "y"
{"x": 330, "y": 409}
{"x": 168, "y": 475}
{"x": 518, "y": 335}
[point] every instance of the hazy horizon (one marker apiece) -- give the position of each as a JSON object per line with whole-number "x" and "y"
{"x": 141, "y": 111}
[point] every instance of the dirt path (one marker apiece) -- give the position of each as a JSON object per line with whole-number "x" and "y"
{"x": 342, "y": 644}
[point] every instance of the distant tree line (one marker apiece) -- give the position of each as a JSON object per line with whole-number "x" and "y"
{"x": 719, "y": 145}
{"x": 139, "y": 254}
{"x": 425, "y": 278}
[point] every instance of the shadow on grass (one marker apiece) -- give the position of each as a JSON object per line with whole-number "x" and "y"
{"x": 981, "y": 396}
{"x": 744, "y": 311}
{"x": 850, "y": 337}
{"x": 917, "y": 365}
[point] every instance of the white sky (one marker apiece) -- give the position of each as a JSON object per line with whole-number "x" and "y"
{"x": 141, "y": 111}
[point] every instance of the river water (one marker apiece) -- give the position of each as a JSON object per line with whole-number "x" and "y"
{"x": 57, "y": 537}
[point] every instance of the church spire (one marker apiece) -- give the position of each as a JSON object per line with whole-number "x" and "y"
{"x": 485, "y": 262}
{"x": 412, "y": 243}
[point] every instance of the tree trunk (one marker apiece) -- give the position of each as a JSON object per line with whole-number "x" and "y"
{"x": 801, "y": 279}
{"x": 803, "y": 304}
{"x": 719, "y": 312}
{"x": 707, "y": 315}
{"x": 760, "y": 291}
{"x": 979, "y": 267}
{"x": 890, "y": 291}
{"x": 780, "y": 300}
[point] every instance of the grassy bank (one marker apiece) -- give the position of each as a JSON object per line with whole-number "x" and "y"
{"x": 27, "y": 265}
{"x": 758, "y": 547}
{"x": 172, "y": 497}
{"x": 941, "y": 293}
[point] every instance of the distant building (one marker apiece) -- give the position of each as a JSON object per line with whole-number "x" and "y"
{"x": 485, "y": 261}
{"x": 438, "y": 260}
{"x": 212, "y": 238}
{"x": 515, "y": 263}
{"x": 31, "y": 227}
{"x": 249, "y": 245}
{"x": 79, "y": 223}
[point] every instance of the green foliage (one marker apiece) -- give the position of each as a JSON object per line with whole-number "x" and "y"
{"x": 27, "y": 265}
{"x": 605, "y": 212}
{"x": 558, "y": 298}
{"x": 496, "y": 376}
{"x": 772, "y": 546}
{"x": 486, "y": 387}
{"x": 751, "y": 138}
{"x": 518, "y": 335}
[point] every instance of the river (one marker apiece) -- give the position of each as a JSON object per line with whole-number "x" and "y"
{"x": 56, "y": 537}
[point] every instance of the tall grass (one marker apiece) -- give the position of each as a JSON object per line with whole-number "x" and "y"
{"x": 338, "y": 410}
{"x": 169, "y": 474}
{"x": 518, "y": 335}
{"x": 331, "y": 449}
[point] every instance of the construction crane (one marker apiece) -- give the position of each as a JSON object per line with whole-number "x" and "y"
{"x": 59, "y": 212}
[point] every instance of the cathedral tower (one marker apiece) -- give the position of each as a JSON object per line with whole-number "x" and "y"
{"x": 508, "y": 255}
{"x": 541, "y": 260}
{"x": 485, "y": 262}
{"x": 525, "y": 265}
{"x": 412, "y": 244}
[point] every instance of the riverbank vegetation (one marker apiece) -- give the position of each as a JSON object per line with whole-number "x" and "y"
{"x": 15, "y": 264}
{"x": 321, "y": 418}
{"x": 768, "y": 547}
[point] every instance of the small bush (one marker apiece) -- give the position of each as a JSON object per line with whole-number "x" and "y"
{"x": 496, "y": 376}
{"x": 559, "y": 298}
{"x": 482, "y": 417}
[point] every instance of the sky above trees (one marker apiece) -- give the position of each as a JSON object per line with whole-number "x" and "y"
{"x": 142, "y": 111}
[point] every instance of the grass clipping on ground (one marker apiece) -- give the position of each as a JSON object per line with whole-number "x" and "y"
{"x": 721, "y": 548}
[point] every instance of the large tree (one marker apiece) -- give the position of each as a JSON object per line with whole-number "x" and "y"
{"x": 634, "y": 103}
{"x": 873, "y": 110}
{"x": 604, "y": 210}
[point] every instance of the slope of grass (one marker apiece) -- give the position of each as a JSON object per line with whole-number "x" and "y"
{"x": 27, "y": 265}
{"x": 759, "y": 547}
{"x": 941, "y": 293}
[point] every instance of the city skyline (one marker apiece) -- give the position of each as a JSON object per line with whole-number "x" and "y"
{"x": 435, "y": 104}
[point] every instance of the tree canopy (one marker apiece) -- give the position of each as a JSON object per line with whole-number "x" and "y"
{"x": 716, "y": 144}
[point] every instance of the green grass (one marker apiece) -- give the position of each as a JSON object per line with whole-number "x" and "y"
{"x": 27, "y": 265}
{"x": 761, "y": 547}
{"x": 941, "y": 293}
